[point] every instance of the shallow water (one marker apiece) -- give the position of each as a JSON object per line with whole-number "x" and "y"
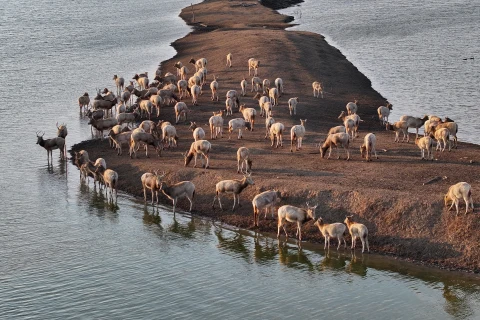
{"x": 413, "y": 52}
{"x": 66, "y": 254}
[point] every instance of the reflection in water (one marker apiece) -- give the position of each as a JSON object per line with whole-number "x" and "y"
{"x": 97, "y": 202}
{"x": 255, "y": 248}
{"x": 187, "y": 231}
{"x": 237, "y": 244}
{"x": 62, "y": 167}
{"x": 333, "y": 260}
{"x": 456, "y": 303}
{"x": 455, "y": 298}
{"x": 152, "y": 217}
{"x": 265, "y": 252}
{"x": 294, "y": 258}
{"x": 84, "y": 189}
{"x": 358, "y": 264}
{"x": 49, "y": 167}
{"x": 185, "y": 225}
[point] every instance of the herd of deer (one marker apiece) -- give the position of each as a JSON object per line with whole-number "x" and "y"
{"x": 148, "y": 133}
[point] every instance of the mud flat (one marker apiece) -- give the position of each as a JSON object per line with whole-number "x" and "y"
{"x": 399, "y": 197}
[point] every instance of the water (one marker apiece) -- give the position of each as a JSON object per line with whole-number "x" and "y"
{"x": 411, "y": 51}
{"x": 66, "y": 254}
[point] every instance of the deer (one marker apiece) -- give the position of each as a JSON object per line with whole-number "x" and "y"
{"x": 52, "y": 144}
{"x": 232, "y": 186}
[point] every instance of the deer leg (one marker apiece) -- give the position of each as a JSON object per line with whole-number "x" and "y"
{"x": 281, "y": 223}
{"x": 453, "y": 203}
{"x": 233, "y": 202}
{"x": 191, "y": 203}
{"x": 219, "y": 202}
{"x": 213, "y": 204}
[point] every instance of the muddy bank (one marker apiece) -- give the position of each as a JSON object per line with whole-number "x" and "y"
{"x": 281, "y": 4}
{"x": 405, "y": 217}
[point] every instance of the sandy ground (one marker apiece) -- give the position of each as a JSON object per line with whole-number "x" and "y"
{"x": 405, "y": 218}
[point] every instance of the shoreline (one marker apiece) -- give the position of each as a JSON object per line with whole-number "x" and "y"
{"x": 339, "y": 187}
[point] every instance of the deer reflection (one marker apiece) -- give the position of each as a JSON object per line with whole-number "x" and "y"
{"x": 151, "y": 217}
{"x": 265, "y": 252}
{"x": 456, "y": 302}
{"x": 97, "y": 199}
{"x": 358, "y": 265}
{"x": 236, "y": 244}
{"x": 62, "y": 166}
{"x": 333, "y": 260}
{"x": 187, "y": 231}
{"x": 293, "y": 258}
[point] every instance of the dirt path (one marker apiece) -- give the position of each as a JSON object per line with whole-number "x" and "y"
{"x": 404, "y": 217}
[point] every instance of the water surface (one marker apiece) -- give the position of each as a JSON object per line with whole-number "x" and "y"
{"x": 413, "y": 52}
